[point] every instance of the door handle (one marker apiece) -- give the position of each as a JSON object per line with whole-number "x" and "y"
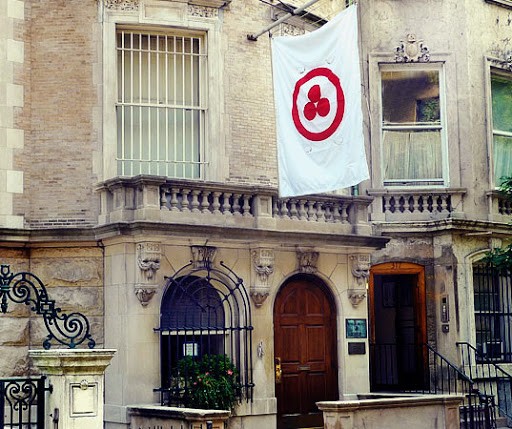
{"x": 279, "y": 370}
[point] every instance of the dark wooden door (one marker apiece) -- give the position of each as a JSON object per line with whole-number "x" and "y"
{"x": 398, "y": 327}
{"x": 305, "y": 347}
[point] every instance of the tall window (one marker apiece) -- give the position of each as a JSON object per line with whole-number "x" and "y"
{"x": 501, "y": 89}
{"x": 493, "y": 312}
{"x": 160, "y": 104}
{"x": 412, "y": 127}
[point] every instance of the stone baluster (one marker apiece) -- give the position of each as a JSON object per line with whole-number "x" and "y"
{"x": 195, "y": 201}
{"x": 311, "y": 211}
{"x": 205, "y": 204}
{"x": 293, "y": 210}
{"x": 216, "y": 203}
{"x": 344, "y": 213}
{"x": 302, "y": 210}
{"x": 320, "y": 215}
{"x": 174, "y": 200}
{"x": 226, "y": 206}
{"x": 184, "y": 202}
{"x": 164, "y": 190}
{"x": 416, "y": 203}
{"x": 336, "y": 216}
{"x": 236, "y": 205}
{"x": 246, "y": 207}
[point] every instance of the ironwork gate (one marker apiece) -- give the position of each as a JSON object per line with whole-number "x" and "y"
{"x": 22, "y": 402}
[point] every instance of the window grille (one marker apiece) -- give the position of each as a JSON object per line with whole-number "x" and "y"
{"x": 493, "y": 312}
{"x": 204, "y": 311}
{"x": 160, "y": 104}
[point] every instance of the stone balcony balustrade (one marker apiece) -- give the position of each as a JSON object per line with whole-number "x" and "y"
{"x": 189, "y": 202}
{"x": 403, "y": 205}
{"x": 500, "y": 207}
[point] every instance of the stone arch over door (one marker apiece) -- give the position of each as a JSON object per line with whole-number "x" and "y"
{"x": 305, "y": 350}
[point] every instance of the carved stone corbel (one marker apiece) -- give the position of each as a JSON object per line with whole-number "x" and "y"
{"x": 356, "y": 296}
{"x": 263, "y": 266}
{"x": 307, "y": 259}
{"x": 144, "y": 293}
{"x": 148, "y": 261}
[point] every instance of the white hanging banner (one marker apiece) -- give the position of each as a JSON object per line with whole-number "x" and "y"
{"x": 317, "y": 92}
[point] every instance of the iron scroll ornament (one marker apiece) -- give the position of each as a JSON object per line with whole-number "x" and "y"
{"x": 26, "y": 288}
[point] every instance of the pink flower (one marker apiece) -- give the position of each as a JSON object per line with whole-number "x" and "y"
{"x": 230, "y": 372}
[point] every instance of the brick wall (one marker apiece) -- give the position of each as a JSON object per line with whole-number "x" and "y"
{"x": 62, "y": 119}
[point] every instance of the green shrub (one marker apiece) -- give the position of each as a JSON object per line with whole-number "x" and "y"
{"x": 210, "y": 383}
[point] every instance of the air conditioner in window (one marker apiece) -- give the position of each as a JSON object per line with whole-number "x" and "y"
{"x": 493, "y": 350}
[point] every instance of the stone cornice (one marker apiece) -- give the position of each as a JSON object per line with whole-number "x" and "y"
{"x": 72, "y": 361}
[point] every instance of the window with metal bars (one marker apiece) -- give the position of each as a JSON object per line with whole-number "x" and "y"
{"x": 205, "y": 313}
{"x": 161, "y": 104}
{"x": 492, "y": 290}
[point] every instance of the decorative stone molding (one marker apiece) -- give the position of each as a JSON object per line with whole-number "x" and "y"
{"x": 203, "y": 256}
{"x": 202, "y": 11}
{"x": 356, "y": 296}
{"x": 360, "y": 268}
{"x": 122, "y": 5}
{"x": 148, "y": 259}
{"x": 308, "y": 260}
{"x": 502, "y": 59}
{"x": 412, "y": 50}
{"x": 263, "y": 264}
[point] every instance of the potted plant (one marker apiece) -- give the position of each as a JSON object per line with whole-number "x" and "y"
{"x": 211, "y": 382}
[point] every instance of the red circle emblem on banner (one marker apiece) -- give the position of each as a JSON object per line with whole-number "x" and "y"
{"x": 318, "y": 106}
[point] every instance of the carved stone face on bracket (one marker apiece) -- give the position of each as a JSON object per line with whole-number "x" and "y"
{"x": 360, "y": 267}
{"x": 148, "y": 258}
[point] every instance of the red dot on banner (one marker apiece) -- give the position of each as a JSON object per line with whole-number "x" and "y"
{"x": 323, "y": 107}
{"x": 314, "y": 93}
{"x": 310, "y": 111}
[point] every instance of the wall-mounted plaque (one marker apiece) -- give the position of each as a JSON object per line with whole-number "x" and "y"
{"x": 356, "y": 348}
{"x": 355, "y": 328}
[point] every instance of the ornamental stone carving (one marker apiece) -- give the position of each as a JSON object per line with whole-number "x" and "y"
{"x": 202, "y": 11}
{"x": 307, "y": 259}
{"x": 360, "y": 268}
{"x": 412, "y": 50}
{"x": 203, "y": 256}
{"x": 263, "y": 265}
{"x": 148, "y": 261}
{"x": 356, "y": 296}
{"x": 144, "y": 293}
{"x": 122, "y": 5}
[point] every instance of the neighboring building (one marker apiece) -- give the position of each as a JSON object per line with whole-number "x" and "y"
{"x": 138, "y": 170}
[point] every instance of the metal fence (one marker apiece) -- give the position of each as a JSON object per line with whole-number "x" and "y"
{"x": 23, "y": 403}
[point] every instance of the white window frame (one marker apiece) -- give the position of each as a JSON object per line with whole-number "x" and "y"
{"x": 418, "y": 183}
{"x": 172, "y": 18}
{"x": 494, "y": 66}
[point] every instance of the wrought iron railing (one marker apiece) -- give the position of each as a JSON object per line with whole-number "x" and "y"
{"x": 26, "y": 288}
{"x": 22, "y": 402}
{"x": 419, "y": 368}
{"x": 490, "y": 378}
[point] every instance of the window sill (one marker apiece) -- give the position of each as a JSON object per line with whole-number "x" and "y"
{"x": 504, "y": 3}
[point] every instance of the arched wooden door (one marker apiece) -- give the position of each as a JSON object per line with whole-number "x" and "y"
{"x": 305, "y": 352}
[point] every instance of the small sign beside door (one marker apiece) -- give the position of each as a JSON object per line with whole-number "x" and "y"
{"x": 355, "y": 328}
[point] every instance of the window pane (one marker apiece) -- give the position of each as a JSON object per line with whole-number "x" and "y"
{"x": 502, "y": 157}
{"x": 410, "y": 97}
{"x": 501, "y": 103}
{"x": 410, "y": 155}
